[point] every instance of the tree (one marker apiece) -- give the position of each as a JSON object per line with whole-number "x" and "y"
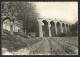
{"x": 74, "y": 29}
{"x": 27, "y": 14}
{"x": 24, "y": 12}
{"x": 7, "y": 13}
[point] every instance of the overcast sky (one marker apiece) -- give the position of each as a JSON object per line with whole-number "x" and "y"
{"x": 65, "y": 11}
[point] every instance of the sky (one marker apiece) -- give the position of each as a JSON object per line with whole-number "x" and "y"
{"x": 64, "y": 11}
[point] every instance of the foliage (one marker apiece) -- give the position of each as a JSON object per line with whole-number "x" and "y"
{"x": 6, "y": 31}
{"x": 74, "y": 29}
{"x": 13, "y": 43}
{"x": 25, "y": 14}
{"x": 62, "y": 34}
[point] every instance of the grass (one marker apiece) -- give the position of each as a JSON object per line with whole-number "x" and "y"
{"x": 13, "y": 43}
{"x": 67, "y": 44}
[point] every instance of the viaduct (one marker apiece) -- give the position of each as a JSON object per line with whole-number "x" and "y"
{"x": 50, "y": 28}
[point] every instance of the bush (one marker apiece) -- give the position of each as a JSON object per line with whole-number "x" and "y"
{"x": 16, "y": 33}
{"x": 74, "y": 33}
{"x": 32, "y": 34}
{"x": 6, "y": 31}
{"x": 62, "y": 34}
{"x": 13, "y": 43}
{"x": 25, "y": 36}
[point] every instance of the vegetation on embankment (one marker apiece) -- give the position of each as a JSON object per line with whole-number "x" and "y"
{"x": 15, "y": 42}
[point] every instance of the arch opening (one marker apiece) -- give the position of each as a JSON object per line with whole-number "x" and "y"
{"x": 63, "y": 26}
{"x": 67, "y": 27}
{"x": 45, "y": 29}
{"x": 58, "y": 28}
{"x": 53, "y": 33}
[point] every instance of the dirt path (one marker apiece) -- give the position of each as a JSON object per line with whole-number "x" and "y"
{"x": 44, "y": 48}
{"x": 40, "y": 48}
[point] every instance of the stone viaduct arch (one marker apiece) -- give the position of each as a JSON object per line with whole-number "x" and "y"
{"x": 51, "y": 28}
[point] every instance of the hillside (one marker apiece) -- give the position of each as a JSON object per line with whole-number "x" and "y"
{"x": 18, "y": 45}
